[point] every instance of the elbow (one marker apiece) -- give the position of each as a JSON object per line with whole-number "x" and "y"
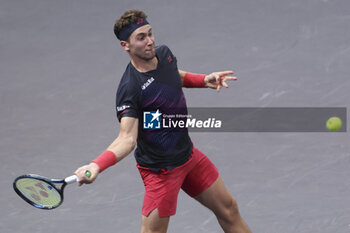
{"x": 129, "y": 140}
{"x": 132, "y": 142}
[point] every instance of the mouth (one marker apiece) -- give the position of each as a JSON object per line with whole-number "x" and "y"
{"x": 150, "y": 48}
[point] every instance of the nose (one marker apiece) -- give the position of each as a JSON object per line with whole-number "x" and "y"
{"x": 150, "y": 40}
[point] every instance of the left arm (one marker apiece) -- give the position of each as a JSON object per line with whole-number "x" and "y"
{"x": 182, "y": 75}
{"x": 215, "y": 80}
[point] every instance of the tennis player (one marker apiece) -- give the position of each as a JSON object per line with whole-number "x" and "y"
{"x": 166, "y": 157}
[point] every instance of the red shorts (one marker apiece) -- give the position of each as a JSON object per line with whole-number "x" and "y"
{"x": 162, "y": 188}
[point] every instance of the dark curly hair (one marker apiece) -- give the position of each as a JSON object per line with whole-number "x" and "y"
{"x": 129, "y": 17}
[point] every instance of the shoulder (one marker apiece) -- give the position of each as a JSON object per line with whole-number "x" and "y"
{"x": 162, "y": 48}
{"x": 163, "y": 52}
{"x": 129, "y": 81}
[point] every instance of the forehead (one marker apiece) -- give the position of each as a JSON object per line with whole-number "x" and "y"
{"x": 144, "y": 29}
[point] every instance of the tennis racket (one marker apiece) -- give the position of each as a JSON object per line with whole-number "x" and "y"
{"x": 42, "y": 192}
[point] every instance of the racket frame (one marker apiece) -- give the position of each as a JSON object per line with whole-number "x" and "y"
{"x": 51, "y": 182}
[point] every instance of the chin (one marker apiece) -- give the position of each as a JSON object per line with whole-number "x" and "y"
{"x": 146, "y": 55}
{"x": 149, "y": 57}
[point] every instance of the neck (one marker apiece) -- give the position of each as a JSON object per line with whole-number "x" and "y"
{"x": 142, "y": 65}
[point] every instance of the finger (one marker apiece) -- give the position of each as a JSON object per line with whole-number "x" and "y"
{"x": 81, "y": 174}
{"x": 83, "y": 181}
{"x": 210, "y": 85}
{"x": 224, "y": 84}
{"x": 80, "y": 181}
{"x": 224, "y": 73}
{"x": 230, "y": 78}
{"x": 213, "y": 86}
{"x": 223, "y": 80}
{"x": 77, "y": 171}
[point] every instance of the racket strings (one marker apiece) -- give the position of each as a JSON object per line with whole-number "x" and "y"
{"x": 42, "y": 194}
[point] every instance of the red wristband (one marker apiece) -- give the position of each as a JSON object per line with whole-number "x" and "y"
{"x": 105, "y": 160}
{"x": 194, "y": 80}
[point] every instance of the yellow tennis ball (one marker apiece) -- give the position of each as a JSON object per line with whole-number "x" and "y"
{"x": 334, "y": 123}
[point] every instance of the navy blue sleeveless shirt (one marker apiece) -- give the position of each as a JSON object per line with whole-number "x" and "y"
{"x": 156, "y": 90}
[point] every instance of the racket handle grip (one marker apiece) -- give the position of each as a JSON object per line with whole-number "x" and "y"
{"x": 71, "y": 179}
{"x": 74, "y": 178}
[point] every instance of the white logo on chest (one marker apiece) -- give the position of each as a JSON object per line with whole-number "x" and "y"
{"x": 147, "y": 83}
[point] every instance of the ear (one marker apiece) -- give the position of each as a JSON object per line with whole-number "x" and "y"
{"x": 125, "y": 45}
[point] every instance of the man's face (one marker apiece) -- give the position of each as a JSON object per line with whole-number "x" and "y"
{"x": 141, "y": 43}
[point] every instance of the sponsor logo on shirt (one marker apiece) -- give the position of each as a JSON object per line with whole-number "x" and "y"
{"x": 123, "y": 107}
{"x": 147, "y": 83}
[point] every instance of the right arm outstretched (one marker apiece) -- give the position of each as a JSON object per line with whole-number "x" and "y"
{"x": 120, "y": 147}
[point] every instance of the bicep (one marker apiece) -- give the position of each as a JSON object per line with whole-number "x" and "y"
{"x": 126, "y": 140}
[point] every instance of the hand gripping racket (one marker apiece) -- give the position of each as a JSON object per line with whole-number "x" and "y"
{"x": 41, "y": 192}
